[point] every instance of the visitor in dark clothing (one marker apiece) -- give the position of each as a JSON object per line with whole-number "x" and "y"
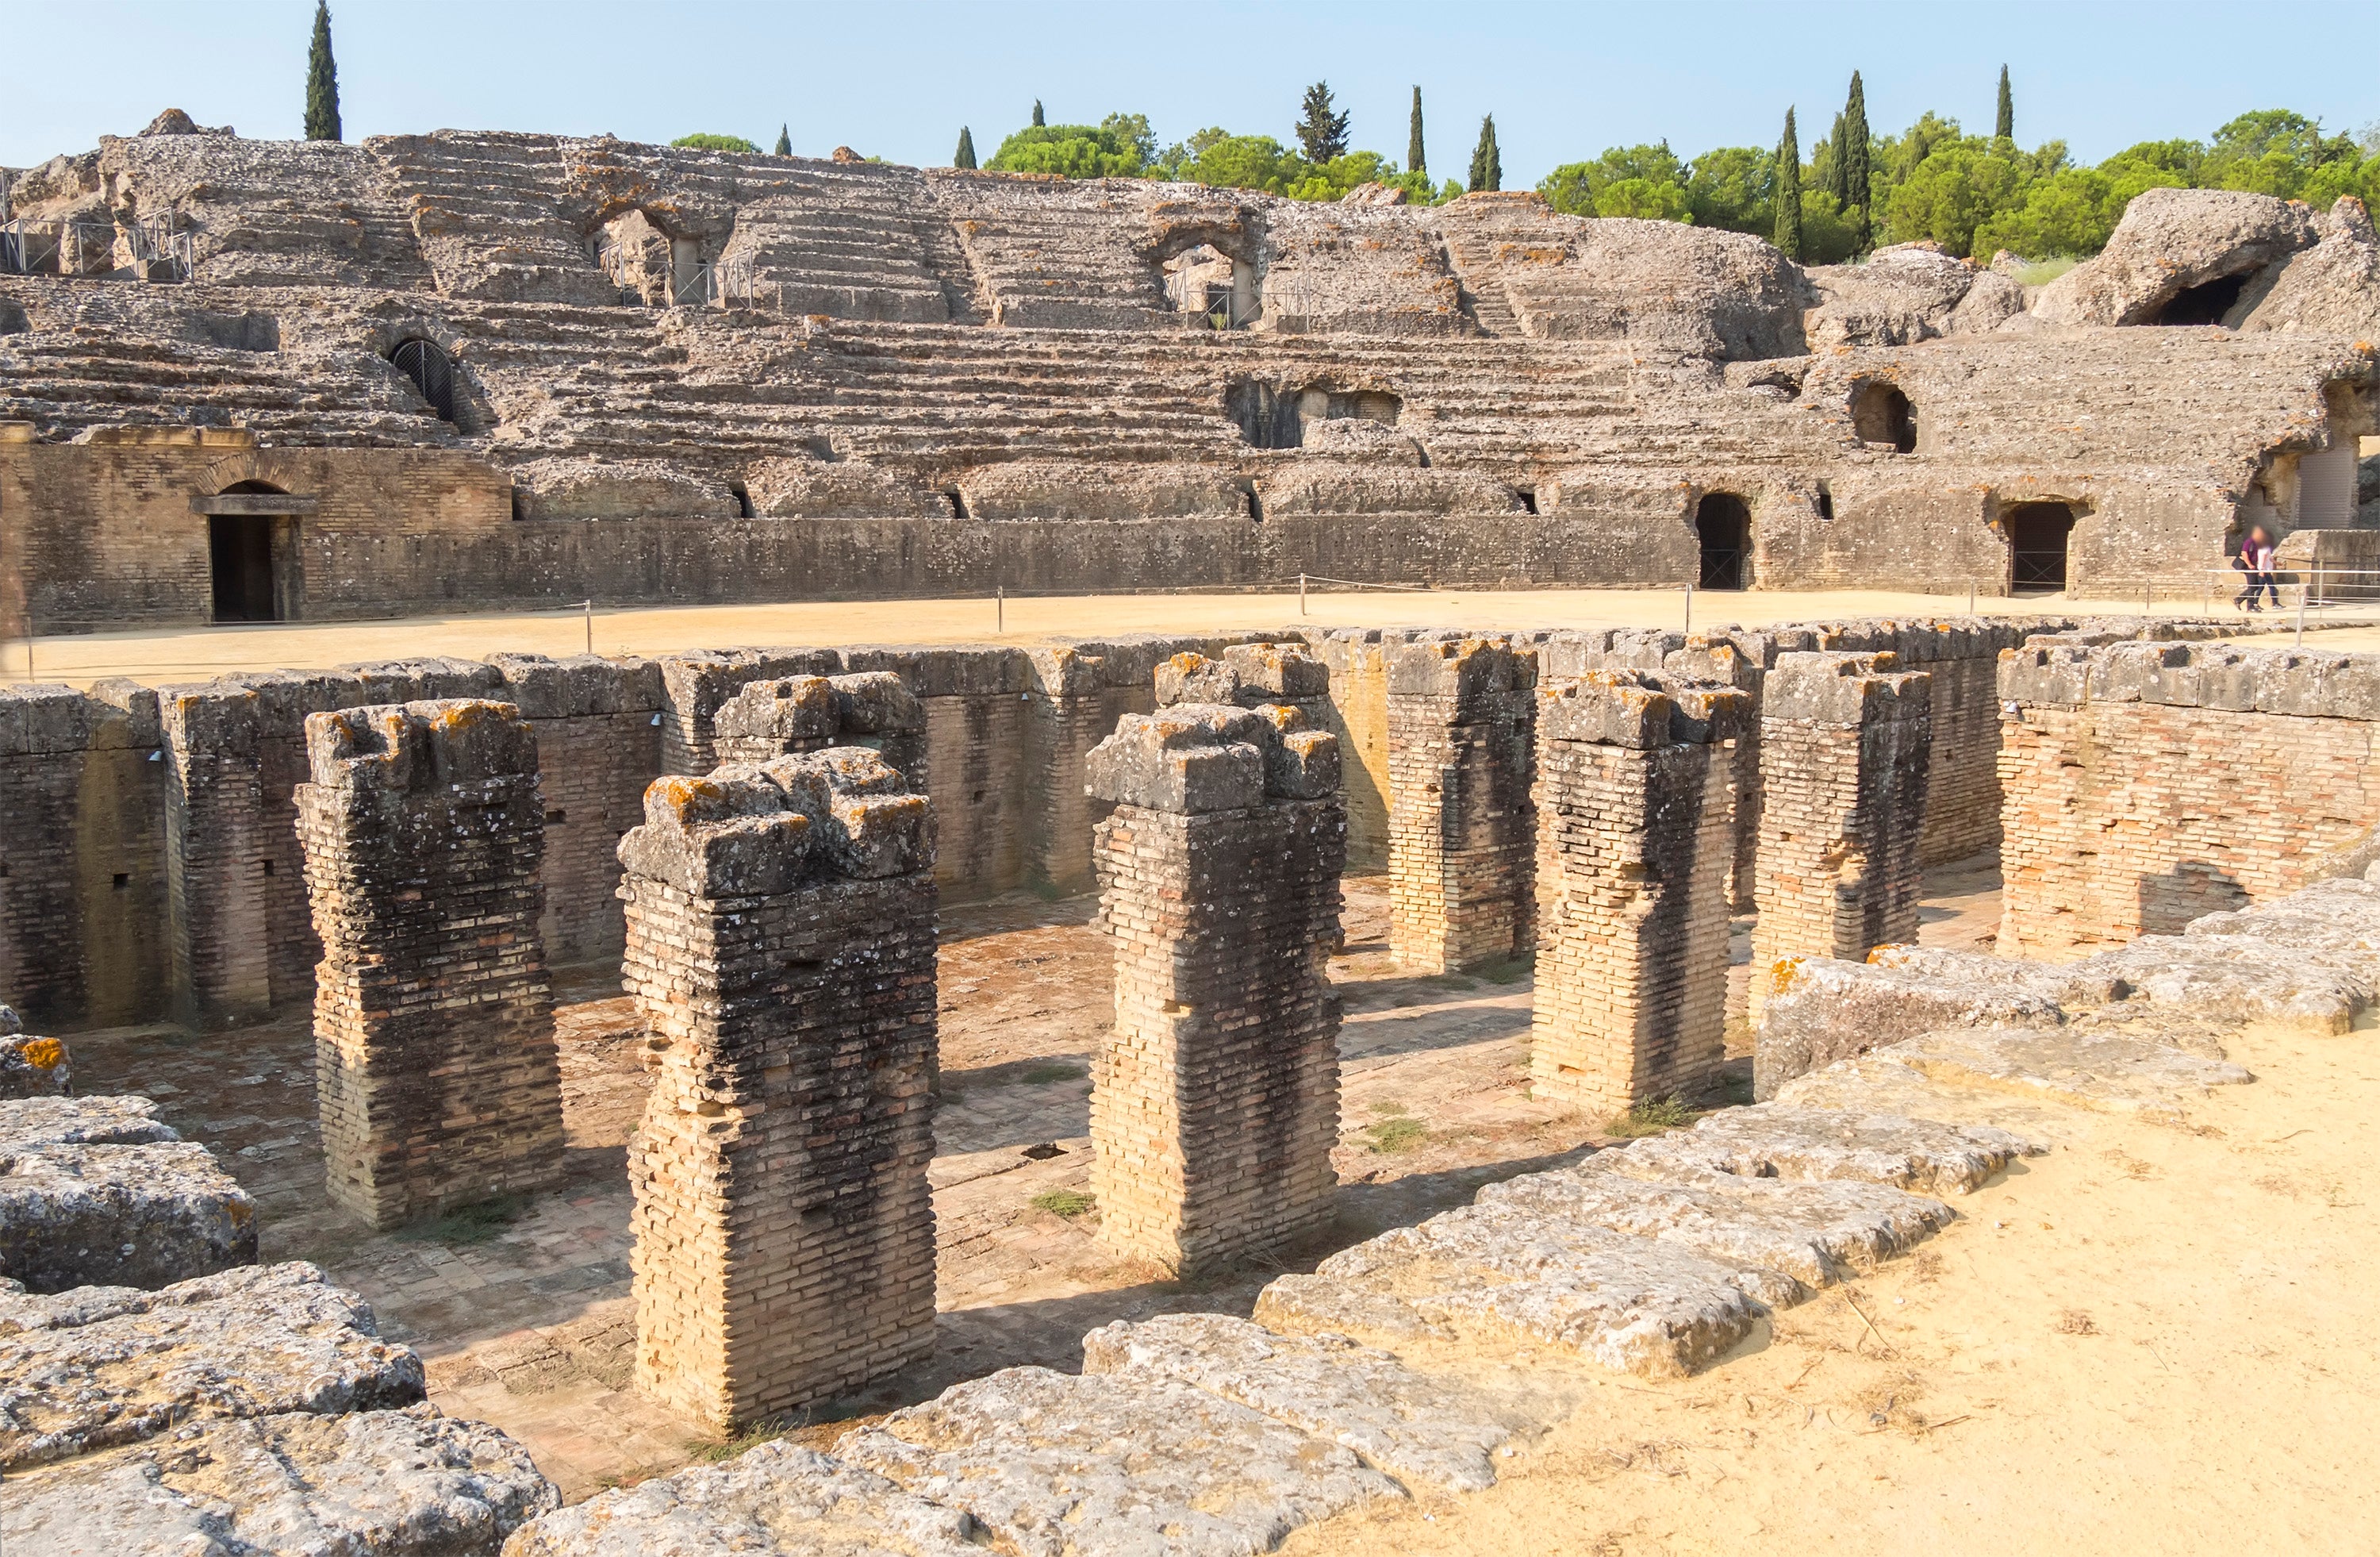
{"x": 2255, "y": 560}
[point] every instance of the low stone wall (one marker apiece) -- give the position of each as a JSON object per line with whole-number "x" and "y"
{"x": 2148, "y": 784}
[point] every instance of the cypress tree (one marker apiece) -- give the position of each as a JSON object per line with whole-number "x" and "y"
{"x": 1789, "y": 191}
{"x": 785, "y": 140}
{"x": 2004, "y": 124}
{"x": 1855, "y": 156}
{"x": 1486, "y": 163}
{"x": 966, "y": 155}
{"x": 1037, "y": 120}
{"x": 1414, "y": 161}
{"x": 321, "y": 80}
{"x": 1835, "y": 181}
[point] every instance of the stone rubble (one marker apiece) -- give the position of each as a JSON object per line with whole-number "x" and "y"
{"x": 404, "y": 1483}
{"x": 32, "y": 1065}
{"x": 1785, "y": 1141}
{"x": 99, "y": 1366}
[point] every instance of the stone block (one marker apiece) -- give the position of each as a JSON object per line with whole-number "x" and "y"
{"x": 1783, "y": 1141}
{"x": 1055, "y": 1464}
{"x": 1190, "y": 760}
{"x": 2074, "y": 1067}
{"x": 407, "y": 1483}
{"x": 95, "y": 1192}
{"x": 30, "y": 1065}
{"x": 773, "y": 1500}
{"x": 256, "y": 1342}
{"x": 1820, "y": 1010}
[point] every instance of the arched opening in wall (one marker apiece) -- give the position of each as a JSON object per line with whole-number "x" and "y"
{"x": 2038, "y": 536}
{"x": 1723, "y": 527}
{"x": 1882, "y": 414}
{"x": 2205, "y": 303}
{"x": 431, "y": 370}
{"x": 245, "y": 554}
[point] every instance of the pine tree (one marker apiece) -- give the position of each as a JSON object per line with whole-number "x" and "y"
{"x": 1321, "y": 132}
{"x": 785, "y": 140}
{"x": 1486, "y": 163}
{"x": 2004, "y": 125}
{"x": 1414, "y": 161}
{"x": 1789, "y": 191}
{"x": 321, "y": 80}
{"x": 1854, "y": 157}
{"x": 1037, "y": 120}
{"x": 964, "y": 157}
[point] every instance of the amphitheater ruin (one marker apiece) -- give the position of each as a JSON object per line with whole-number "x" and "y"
{"x": 879, "y": 1098}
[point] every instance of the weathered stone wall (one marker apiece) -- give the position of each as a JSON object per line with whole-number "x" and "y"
{"x": 1215, "y": 1098}
{"x": 2147, "y": 783}
{"x": 1635, "y": 813}
{"x": 1461, "y": 832}
{"x": 435, "y": 1067}
{"x": 781, "y": 944}
{"x": 1845, "y": 743}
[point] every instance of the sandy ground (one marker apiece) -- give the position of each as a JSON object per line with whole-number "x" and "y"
{"x": 2156, "y": 1339}
{"x": 191, "y": 654}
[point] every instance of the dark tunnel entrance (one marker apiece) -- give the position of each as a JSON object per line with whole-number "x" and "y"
{"x": 1723, "y": 525}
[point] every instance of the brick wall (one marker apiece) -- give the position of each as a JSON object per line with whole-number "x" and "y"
{"x": 435, "y": 1069}
{"x": 1215, "y": 1097}
{"x": 781, "y": 944}
{"x": 1634, "y": 806}
{"x": 2147, "y": 783}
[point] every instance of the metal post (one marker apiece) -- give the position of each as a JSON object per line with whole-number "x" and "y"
{"x": 999, "y": 606}
{"x": 1970, "y": 597}
{"x": 1301, "y": 595}
{"x": 2302, "y": 602}
{"x": 1690, "y": 608}
{"x": 591, "y": 625}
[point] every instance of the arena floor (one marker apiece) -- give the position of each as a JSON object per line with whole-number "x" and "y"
{"x": 194, "y": 654}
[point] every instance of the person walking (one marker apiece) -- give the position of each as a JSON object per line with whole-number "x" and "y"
{"x": 2255, "y": 560}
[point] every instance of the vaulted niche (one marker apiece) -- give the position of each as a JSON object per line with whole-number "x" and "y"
{"x": 2203, "y": 304}
{"x": 1723, "y": 529}
{"x": 1882, "y": 414}
{"x": 432, "y": 372}
{"x": 1273, "y": 417}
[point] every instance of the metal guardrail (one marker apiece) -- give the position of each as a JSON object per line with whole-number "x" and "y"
{"x": 32, "y": 246}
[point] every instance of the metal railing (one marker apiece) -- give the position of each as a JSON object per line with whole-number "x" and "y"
{"x": 35, "y": 246}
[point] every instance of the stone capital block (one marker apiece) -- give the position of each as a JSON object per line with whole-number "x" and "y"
{"x": 1634, "y": 805}
{"x": 873, "y": 709}
{"x": 424, "y": 837}
{"x": 781, "y": 946}
{"x": 1215, "y": 1097}
{"x": 1846, "y": 754}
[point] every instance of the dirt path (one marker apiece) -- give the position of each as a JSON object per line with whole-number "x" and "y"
{"x": 2156, "y": 1338}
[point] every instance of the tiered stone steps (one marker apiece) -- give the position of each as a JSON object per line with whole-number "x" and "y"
{"x": 96, "y": 378}
{"x": 490, "y": 210}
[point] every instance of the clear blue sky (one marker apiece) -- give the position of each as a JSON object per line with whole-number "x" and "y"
{"x": 897, "y": 79}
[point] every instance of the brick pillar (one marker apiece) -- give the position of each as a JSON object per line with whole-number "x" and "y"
{"x": 1844, "y": 768}
{"x": 781, "y": 944}
{"x": 216, "y": 841}
{"x": 1461, "y": 834}
{"x": 433, "y": 1013}
{"x": 1215, "y": 1099}
{"x": 1636, "y": 849}
{"x": 873, "y": 709}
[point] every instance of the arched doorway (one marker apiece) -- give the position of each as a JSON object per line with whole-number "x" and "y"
{"x": 2037, "y": 535}
{"x": 245, "y": 553}
{"x": 1723, "y": 527}
{"x": 432, "y": 372}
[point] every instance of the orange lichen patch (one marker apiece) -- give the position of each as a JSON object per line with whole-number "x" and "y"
{"x": 44, "y": 1053}
{"x": 1781, "y": 974}
{"x": 679, "y": 790}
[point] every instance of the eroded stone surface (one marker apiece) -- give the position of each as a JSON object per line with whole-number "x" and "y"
{"x": 1417, "y": 1427}
{"x": 2238, "y": 979}
{"x": 1816, "y": 1232}
{"x": 100, "y": 1367}
{"x": 1824, "y": 1009}
{"x": 1788, "y": 1141}
{"x": 775, "y": 1501}
{"x": 32, "y": 1065}
{"x": 1501, "y": 1271}
{"x": 2072, "y": 1066}
{"x": 407, "y": 1483}
{"x": 1056, "y": 1464}
{"x": 97, "y": 1192}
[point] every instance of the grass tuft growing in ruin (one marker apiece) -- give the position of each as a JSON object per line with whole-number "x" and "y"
{"x": 2041, "y": 272}
{"x": 1068, "y": 1203}
{"x": 1397, "y": 1133}
{"x": 474, "y": 1224}
{"x": 1511, "y": 970}
{"x": 1649, "y": 1118}
{"x": 1039, "y": 1075}
{"x": 767, "y": 1430}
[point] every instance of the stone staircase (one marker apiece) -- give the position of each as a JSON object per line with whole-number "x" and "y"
{"x": 488, "y": 210}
